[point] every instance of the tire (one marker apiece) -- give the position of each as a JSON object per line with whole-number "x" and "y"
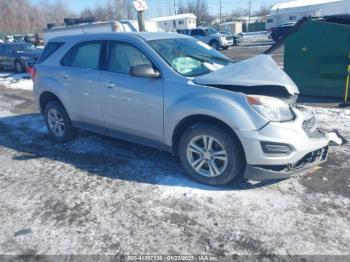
{"x": 229, "y": 170}
{"x": 214, "y": 44}
{"x": 19, "y": 67}
{"x": 225, "y": 47}
{"x": 62, "y": 130}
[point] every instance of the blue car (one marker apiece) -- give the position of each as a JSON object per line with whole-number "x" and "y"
{"x": 18, "y": 56}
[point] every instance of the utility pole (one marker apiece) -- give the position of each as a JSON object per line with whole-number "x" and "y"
{"x": 175, "y": 6}
{"x": 141, "y": 6}
{"x": 249, "y": 14}
{"x": 220, "y": 11}
{"x": 141, "y": 20}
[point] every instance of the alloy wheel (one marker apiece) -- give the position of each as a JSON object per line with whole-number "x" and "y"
{"x": 207, "y": 156}
{"x": 18, "y": 67}
{"x": 56, "y": 122}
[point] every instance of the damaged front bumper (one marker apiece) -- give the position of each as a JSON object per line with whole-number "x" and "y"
{"x": 310, "y": 147}
{"x": 263, "y": 172}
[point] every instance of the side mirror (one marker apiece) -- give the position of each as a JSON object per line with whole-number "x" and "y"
{"x": 144, "y": 71}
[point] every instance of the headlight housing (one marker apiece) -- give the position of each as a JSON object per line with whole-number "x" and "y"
{"x": 273, "y": 109}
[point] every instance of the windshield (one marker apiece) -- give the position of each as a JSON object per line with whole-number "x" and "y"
{"x": 189, "y": 57}
{"x": 211, "y": 31}
{"x": 23, "y": 48}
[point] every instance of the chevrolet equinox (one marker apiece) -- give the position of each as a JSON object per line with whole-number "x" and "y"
{"x": 225, "y": 120}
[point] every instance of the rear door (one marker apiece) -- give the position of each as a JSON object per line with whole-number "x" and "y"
{"x": 132, "y": 105}
{"x": 8, "y": 56}
{"x": 2, "y": 51}
{"x": 80, "y": 76}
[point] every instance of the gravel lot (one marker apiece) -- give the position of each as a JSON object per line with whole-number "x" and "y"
{"x": 98, "y": 195}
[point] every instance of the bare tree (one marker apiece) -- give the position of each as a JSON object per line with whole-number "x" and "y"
{"x": 198, "y": 7}
{"x": 21, "y": 16}
{"x": 263, "y": 11}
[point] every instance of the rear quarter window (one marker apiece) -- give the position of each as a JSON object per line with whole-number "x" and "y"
{"x": 49, "y": 49}
{"x": 84, "y": 55}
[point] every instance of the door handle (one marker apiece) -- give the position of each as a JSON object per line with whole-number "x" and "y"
{"x": 110, "y": 84}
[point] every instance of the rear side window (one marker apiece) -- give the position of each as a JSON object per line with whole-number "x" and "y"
{"x": 49, "y": 49}
{"x": 86, "y": 55}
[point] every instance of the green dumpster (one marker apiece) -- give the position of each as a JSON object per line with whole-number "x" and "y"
{"x": 317, "y": 56}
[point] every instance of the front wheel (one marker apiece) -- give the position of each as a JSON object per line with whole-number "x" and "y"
{"x": 225, "y": 47}
{"x": 58, "y": 122}
{"x": 211, "y": 155}
{"x": 214, "y": 44}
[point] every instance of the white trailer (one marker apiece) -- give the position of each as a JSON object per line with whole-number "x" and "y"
{"x": 293, "y": 11}
{"x": 98, "y": 27}
{"x": 176, "y": 22}
{"x": 232, "y": 27}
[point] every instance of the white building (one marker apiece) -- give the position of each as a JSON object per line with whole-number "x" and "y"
{"x": 174, "y": 22}
{"x": 293, "y": 11}
{"x": 232, "y": 27}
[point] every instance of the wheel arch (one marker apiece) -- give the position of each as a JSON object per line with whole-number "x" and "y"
{"x": 47, "y": 97}
{"x": 189, "y": 121}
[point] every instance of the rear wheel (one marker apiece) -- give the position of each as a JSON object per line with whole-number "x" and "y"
{"x": 19, "y": 67}
{"x": 58, "y": 122}
{"x": 211, "y": 155}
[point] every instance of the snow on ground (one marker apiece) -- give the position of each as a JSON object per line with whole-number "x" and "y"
{"x": 98, "y": 195}
{"x": 16, "y": 81}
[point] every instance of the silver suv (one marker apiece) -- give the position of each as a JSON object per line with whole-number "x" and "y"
{"x": 210, "y": 36}
{"x": 224, "y": 120}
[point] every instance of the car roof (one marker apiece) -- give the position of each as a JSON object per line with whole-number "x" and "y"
{"x": 147, "y": 36}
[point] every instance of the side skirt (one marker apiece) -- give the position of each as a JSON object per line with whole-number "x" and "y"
{"x": 122, "y": 136}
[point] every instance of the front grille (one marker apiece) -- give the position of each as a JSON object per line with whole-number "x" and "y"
{"x": 229, "y": 37}
{"x": 317, "y": 156}
{"x": 309, "y": 126}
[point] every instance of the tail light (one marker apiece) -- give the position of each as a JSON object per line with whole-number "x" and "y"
{"x": 32, "y": 72}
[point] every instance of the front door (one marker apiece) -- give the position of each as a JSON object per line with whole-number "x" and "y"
{"x": 132, "y": 105}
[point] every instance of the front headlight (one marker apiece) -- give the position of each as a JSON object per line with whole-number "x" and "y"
{"x": 25, "y": 57}
{"x": 271, "y": 108}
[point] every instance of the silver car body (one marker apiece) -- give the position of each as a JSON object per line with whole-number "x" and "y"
{"x": 148, "y": 111}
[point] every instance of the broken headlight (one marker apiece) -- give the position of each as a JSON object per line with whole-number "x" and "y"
{"x": 271, "y": 108}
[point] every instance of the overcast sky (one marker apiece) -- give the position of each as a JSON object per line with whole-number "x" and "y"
{"x": 164, "y": 7}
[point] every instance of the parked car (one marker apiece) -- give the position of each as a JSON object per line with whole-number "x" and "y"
{"x": 277, "y": 32}
{"x": 236, "y": 39}
{"x": 18, "y": 56}
{"x": 209, "y": 36}
{"x": 224, "y": 120}
{"x": 9, "y": 38}
{"x": 18, "y": 39}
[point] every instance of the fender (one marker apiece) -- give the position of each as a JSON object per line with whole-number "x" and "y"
{"x": 233, "y": 111}
{"x": 49, "y": 84}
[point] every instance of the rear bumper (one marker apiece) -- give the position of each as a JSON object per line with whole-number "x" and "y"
{"x": 263, "y": 172}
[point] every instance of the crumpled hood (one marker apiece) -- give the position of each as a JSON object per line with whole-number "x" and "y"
{"x": 258, "y": 71}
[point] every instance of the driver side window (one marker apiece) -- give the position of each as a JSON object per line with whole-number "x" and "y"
{"x": 123, "y": 56}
